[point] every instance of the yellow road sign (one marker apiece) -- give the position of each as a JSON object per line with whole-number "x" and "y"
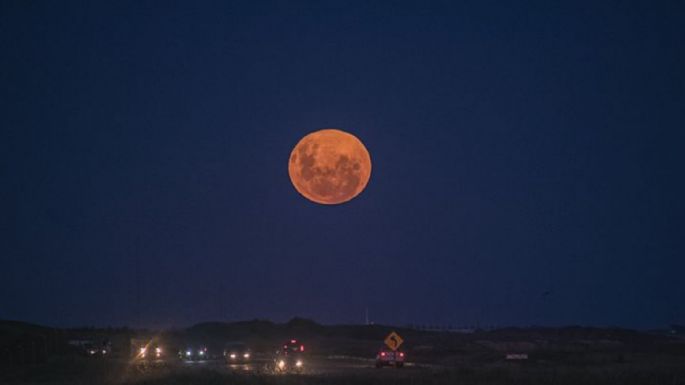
{"x": 393, "y": 340}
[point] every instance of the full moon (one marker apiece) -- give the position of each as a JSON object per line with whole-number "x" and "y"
{"x": 329, "y": 166}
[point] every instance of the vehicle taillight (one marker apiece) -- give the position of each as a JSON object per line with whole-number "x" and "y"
{"x": 293, "y": 341}
{"x": 401, "y": 354}
{"x": 382, "y": 354}
{"x": 302, "y": 348}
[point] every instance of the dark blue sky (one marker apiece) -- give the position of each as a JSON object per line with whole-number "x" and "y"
{"x": 527, "y": 162}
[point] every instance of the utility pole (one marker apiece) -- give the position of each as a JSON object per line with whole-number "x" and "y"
{"x": 137, "y": 257}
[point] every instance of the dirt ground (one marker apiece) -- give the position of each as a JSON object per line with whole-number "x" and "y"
{"x": 336, "y": 370}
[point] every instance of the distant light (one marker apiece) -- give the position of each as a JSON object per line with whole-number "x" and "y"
{"x": 298, "y": 363}
{"x": 188, "y": 353}
{"x": 293, "y": 341}
{"x": 232, "y": 355}
{"x": 302, "y": 348}
{"x": 246, "y": 355}
{"x": 281, "y": 364}
{"x": 158, "y": 350}
{"x": 202, "y": 352}
{"x": 104, "y": 352}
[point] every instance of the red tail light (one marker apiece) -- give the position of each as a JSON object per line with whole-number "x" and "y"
{"x": 382, "y": 354}
{"x": 293, "y": 341}
{"x": 302, "y": 348}
{"x": 401, "y": 354}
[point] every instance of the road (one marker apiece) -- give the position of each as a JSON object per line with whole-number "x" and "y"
{"x": 313, "y": 365}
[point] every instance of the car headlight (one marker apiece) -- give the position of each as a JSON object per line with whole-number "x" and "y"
{"x": 246, "y": 355}
{"x": 202, "y": 352}
{"x": 281, "y": 364}
{"x": 298, "y": 363}
{"x": 158, "y": 350}
{"x": 188, "y": 353}
{"x": 232, "y": 355}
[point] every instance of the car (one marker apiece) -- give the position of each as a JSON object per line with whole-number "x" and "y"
{"x": 150, "y": 352}
{"x": 143, "y": 349}
{"x": 289, "y": 357}
{"x": 237, "y": 353}
{"x": 91, "y": 348}
{"x": 193, "y": 353}
{"x": 96, "y": 350}
{"x": 388, "y": 357}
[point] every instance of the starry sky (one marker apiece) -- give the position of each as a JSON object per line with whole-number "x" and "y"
{"x": 527, "y": 162}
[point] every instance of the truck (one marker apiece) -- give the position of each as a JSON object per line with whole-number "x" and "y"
{"x": 289, "y": 357}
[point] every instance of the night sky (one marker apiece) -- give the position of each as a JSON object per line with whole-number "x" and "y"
{"x": 527, "y": 162}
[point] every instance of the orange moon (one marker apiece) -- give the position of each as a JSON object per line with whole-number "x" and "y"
{"x": 329, "y": 166}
